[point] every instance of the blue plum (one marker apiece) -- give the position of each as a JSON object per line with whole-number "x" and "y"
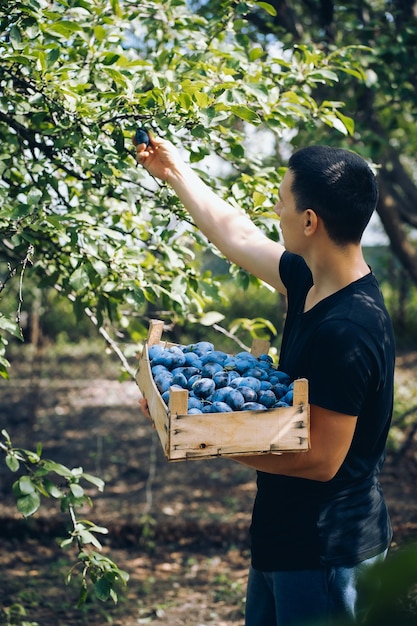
{"x": 141, "y": 136}
{"x": 204, "y": 387}
{"x": 248, "y": 393}
{"x": 217, "y": 407}
{"x": 267, "y": 398}
{"x": 180, "y": 380}
{"x": 163, "y": 382}
{"x": 193, "y": 379}
{"x": 214, "y": 378}
{"x": 209, "y": 369}
{"x": 257, "y": 372}
{"x": 155, "y": 350}
{"x": 289, "y": 397}
{"x": 200, "y": 348}
{"x": 250, "y": 381}
{"x": 253, "y": 406}
{"x": 195, "y": 403}
{"x": 280, "y": 390}
{"x": 214, "y": 356}
{"x": 192, "y": 359}
{"x": 221, "y": 379}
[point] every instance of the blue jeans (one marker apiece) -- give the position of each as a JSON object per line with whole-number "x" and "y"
{"x": 317, "y": 597}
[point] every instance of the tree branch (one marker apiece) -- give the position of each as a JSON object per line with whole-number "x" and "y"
{"x": 113, "y": 345}
{"x": 30, "y": 137}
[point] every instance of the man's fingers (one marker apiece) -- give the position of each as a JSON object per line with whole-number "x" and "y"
{"x": 145, "y": 410}
{"x": 142, "y": 153}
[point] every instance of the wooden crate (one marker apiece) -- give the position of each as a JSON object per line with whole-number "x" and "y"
{"x": 207, "y": 435}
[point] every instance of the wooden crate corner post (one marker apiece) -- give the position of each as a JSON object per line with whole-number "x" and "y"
{"x": 156, "y": 406}
{"x": 155, "y": 330}
{"x": 260, "y": 346}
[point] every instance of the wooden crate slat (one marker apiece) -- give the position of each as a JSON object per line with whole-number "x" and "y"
{"x": 241, "y": 432}
{"x": 157, "y": 407}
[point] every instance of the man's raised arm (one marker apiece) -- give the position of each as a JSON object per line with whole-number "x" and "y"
{"x": 226, "y": 226}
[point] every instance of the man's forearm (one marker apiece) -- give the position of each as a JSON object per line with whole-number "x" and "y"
{"x": 220, "y": 221}
{"x": 227, "y": 227}
{"x": 295, "y": 464}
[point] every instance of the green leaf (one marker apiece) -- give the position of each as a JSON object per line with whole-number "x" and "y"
{"x": 267, "y": 7}
{"x": 34, "y": 196}
{"x": 10, "y": 326}
{"x": 61, "y": 470}
{"x": 102, "y": 588}
{"x": 100, "y": 267}
{"x": 76, "y": 490}
{"x": 348, "y": 122}
{"x": 87, "y": 537}
{"x": 323, "y": 75}
{"x": 244, "y": 113}
{"x": 52, "y": 489}
{"x": 12, "y": 463}
{"x": 202, "y": 99}
{"x": 98, "y": 482}
{"x": 211, "y": 317}
{"x": 82, "y": 598}
{"x": 4, "y": 365}
{"x": 115, "y": 5}
{"x": 25, "y": 485}
{"x": 66, "y": 542}
{"x": 66, "y": 28}
{"x": 29, "y": 504}
{"x": 94, "y": 528}
{"x": 15, "y": 36}
{"x": 52, "y": 56}
{"x": 110, "y": 58}
{"x": 256, "y": 53}
{"x": 80, "y": 279}
{"x": 334, "y": 121}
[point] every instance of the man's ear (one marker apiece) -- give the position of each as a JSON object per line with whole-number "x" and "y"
{"x": 310, "y": 222}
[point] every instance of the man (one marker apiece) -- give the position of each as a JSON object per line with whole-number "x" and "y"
{"x": 319, "y": 517}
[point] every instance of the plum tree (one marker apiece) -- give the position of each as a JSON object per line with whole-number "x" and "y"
{"x": 77, "y": 80}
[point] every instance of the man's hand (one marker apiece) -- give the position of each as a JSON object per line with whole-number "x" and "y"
{"x": 160, "y": 157}
{"x": 143, "y": 403}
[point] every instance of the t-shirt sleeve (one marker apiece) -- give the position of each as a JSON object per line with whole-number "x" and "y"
{"x": 293, "y": 270}
{"x": 341, "y": 366}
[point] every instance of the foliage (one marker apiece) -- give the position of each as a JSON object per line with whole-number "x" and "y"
{"x": 39, "y": 481}
{"x": 77, "y": 78}
{"x": 383, "y": 105}
{"x": 390, "y": 589}
{"x": 15, "y": 615}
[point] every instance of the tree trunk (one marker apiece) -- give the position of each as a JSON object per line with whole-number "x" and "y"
{"x": 401, "y": 244}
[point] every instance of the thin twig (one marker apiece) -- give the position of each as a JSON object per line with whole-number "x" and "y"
{"x": 225, "y": 332}
{"x": 113, "y": 345}
{"x": 26, "y": 260}
{"x": 74, "y": 523}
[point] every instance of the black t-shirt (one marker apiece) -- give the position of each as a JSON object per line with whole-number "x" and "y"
{"x": 345, "y": 347}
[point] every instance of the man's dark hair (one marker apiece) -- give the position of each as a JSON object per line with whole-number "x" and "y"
{"x": 339, "y": 186}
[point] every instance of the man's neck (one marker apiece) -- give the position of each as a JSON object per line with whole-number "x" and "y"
{"x": 334, "y": 270}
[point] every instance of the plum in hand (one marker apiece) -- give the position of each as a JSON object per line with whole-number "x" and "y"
{"x": 141, "y": 136}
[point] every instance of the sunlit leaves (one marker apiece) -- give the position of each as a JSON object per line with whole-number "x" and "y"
{"x": 76, "y": 81}
{"x": 267, "y": 7}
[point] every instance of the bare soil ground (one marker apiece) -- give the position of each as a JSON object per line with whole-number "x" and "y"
{"x": 179, "y": 529}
